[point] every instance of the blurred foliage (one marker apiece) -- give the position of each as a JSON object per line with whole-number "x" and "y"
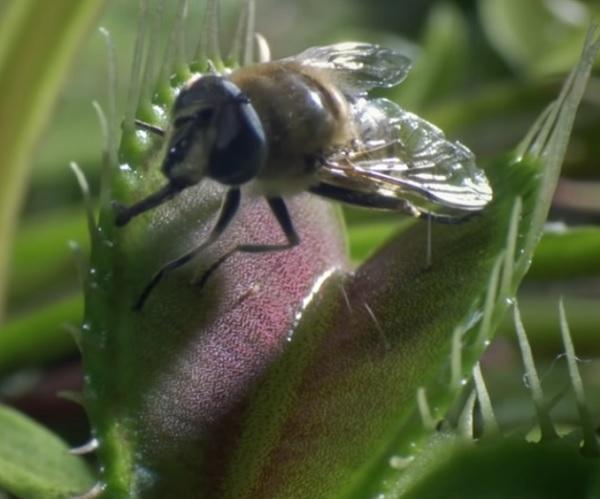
{"x": 483, "y": 70}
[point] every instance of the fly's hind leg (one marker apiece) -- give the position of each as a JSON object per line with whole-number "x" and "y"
{"x": 228, "y": 210}
{"x": 279, "y": 209}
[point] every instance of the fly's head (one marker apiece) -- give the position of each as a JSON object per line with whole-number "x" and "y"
{"x": 215, "y": 133}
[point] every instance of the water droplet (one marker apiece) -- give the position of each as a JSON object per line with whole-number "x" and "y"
{"x": 125, "y": 167}
{"x": 159, "y": 111}
{"x": 400, "y": 462}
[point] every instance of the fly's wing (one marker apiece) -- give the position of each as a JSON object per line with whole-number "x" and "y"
{"x": 404, "y": 162}
{"x": 357, "y": 67}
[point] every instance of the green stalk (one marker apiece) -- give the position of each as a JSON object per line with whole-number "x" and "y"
{"x": 38, "y": 41}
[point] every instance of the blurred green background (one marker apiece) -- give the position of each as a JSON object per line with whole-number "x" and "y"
{"x": 483, "y": 70}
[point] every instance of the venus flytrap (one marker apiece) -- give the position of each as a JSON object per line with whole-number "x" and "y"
{"x": 209, "y": 392}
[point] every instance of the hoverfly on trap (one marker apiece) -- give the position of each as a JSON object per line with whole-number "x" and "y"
{"x": 306, "y": 123}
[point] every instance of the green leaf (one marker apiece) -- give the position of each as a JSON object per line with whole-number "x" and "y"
{"x": 441, "y": 64}
{"x": 455, "y": 468}
{"x": 42, "y": 261}
{"x": 42, "y": 335}
{"x": 38, "y": 40}
{"x": 537, "y": 36}
{"x": 566, "y": 253}
{"x": 36, "y": 464}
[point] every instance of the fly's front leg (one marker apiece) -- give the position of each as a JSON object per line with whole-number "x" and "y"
{"x": 228, "y": 210}
{"x": 279, "y": 209}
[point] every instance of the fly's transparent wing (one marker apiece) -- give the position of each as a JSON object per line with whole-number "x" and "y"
{"x": 357, "y": 67}
{"x": 400, "y": 155}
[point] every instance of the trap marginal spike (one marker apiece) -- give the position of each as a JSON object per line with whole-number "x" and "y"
{"x": 174, "y": 68}
{"x": 424, "y": 410}
{"x": 466, "y": 426}
{"x": 235, "y": 57}
{"x": 507, "y": 279}
{"x": 137, "y": 68}
{"x": 209, "y": 46}
{"x": 87, "y": 200}
{"x": 456, "y": 359}
{"x": 109, "y": 120}
{"x": 489, "y": 305}
{"x": 102, "y": 121}
{"x": 150, "y": 69}
{"x": 180, "y": 50}
{"x": 551, "y": 143}
{"x": 81, "y": 261}
{"x": 242, "y": 48}
{"x": 591, "y": 446}
{"x": 72, "y": 396}
{"x": 247, "y": 49}
{"x": 490, "y": 424}
{"x": 87, "y": 448}
{"x": 547, "y": 429}
{"x": 75, "y": 332}
{"x": 94, "y": 493}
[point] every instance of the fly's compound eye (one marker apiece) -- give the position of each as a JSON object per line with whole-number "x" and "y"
{"x": 216, "y": 133}
{"x": 200, "y": 119}
{"x": 204, "y": 116}
{"x": 240, "y": 147}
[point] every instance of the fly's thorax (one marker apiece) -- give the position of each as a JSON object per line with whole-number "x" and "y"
{"x": 215, "y": 133}
{"x": 303, "y": 115}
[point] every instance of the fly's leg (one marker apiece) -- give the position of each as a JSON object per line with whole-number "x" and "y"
{"x": 279, "y": 209}
{"x": 125, "y": 213}
{"x": 228, "y": 210}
